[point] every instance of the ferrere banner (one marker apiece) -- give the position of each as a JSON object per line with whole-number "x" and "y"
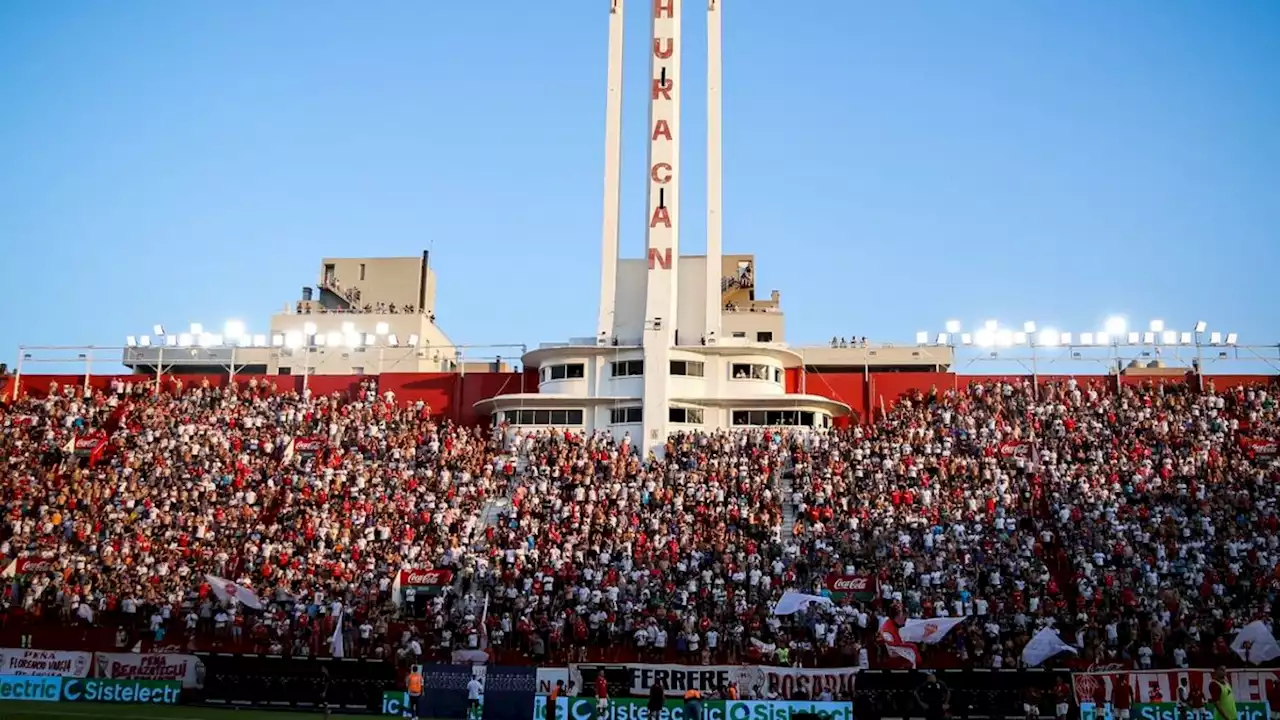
{"x": 580, "y": 708}
{"x": 1248, "y": 686}
{"x": 156, "y": 666}
{"x": 52, "y": 663}
{"x": 786, "y": 681}
{"x": 1173, "y": 711}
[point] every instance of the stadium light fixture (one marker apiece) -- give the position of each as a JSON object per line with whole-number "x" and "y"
{"x": 943, "y": 338}
{"x": 354, "y": 340}
{"x": 1232, "y": 338}
{"x": 335, "y": 339}
{"x": 984, "y": 338}
{"x": 293, "y": 340}
{"x": 131, "y": 341}
{"x": 1169, "y": 337}
{"x": 1049, "y": 337}
{"x": 157, "y": 329}
{"x": 966, "y": 338}
{"x": 196, "y": 329}
{"x": 1186, "y": 338}
{"x": 370, "y": 339}
{"x": 145, "y": 341}
{"x": 171, "y": 341}
{"x": 413, "y": 341}
{"x": 1064, "y": 338}
{"x": 1134, "y": 338}
{"x": 382, "y": 328}
{"x": 1115, "y": 326}
{"x": 991, "y": 326}
{"x": 277, "y": 339}
{"x": 953, "y": 326}
{"x": 1148, "y": 338}
{"x": 393, "y": 341}
{"x": 1019, "y": 338}
{"x": 259, "y": 340}
{"x": 1201, "y": 326}
{"x": 1215, "y": 338}
{"x": 1028, "y": 327}
{"x": 184, "y": 340}
{"x": 309, "y": 329}
{"x": 1004, "y": 338}
{"x": 1157, "y": 326}
{"x": 234, "y": 329}
{"x": 1087, "y": 339}
{"x": 320, "y": 340}
{"x": 922, "y": 338}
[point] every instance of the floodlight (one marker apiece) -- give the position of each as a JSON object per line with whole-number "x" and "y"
{"x": 1232, "y": 338}
{"x": 1169, "y": 337}
{"x": 293, "y": 339}
{"x": 1064, "y": 338}
{"x": 1004, "y": 338}
{"x": 1115, "y": 325}
{"x": 966, "y": 339}
{"x": 348, "y": 327}
{"x": 392, "y": 340}
{"x": 145, "y": 341}
{"x": 205, "y": 340}
{"x": 320, "y": 340}
{"x": 197, "y": 329}
{"x": 1215, "y": 338}
{"x": 953, "y": 326}
{"x": 991, "y": 325}
{"x": 184, "y": 340}
{"x": 277, "y": 339}
{"x": 233, "y": 329}
{"x": 382, "y": 328}
{"x": 1019, "y": 338}
{"x": 335, "y": 339}
{"x": 1049, "y": 338}
{"x": 985, "y": 338}
{"x": 1087, "y": 339}
{"x": 131, "y": 341}
{"x": 354, "y": 340}
{"x": 1157, "y": 326}
{"x": 942, "y": 338}
{"x": 157, "y": 329}
{"x": 171, "y": 340}
{"x": 1134, "y": 338}
{"x": 413, "y": 341}
{"x": 309, "y": 328}
{"x": 1186, "y": 338}
{"x": 1148, "y": 338}
{"x": 922, "y": 337}
{"x": 215, "y": 339}
{"x": 1201, "y": 326}
{"x": 370, "y": 339}
{"x": 259, "y": 340}
{"x": 1028, "y": 327}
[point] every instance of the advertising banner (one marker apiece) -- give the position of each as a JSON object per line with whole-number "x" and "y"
{"x": 547, "y": 678}
{"x": 308, "y": 446}
{"x": 444, "y": 691}
{"x": 30, "y": 687}
{"x": 508, "y": 692}
{"x": 426, "y": 579}
{"x": 578, "y": 708}
{"x": 153, "y": 692}
{"x": 34, "y": 566}
{"x": 636, "y": 678}
{"x": 155, "y": 666}
{"x": 1248, "y": 686}
{"x": 1261, "y": 447}
{"x": 861, "y": 587}
{"x": 394, "y": 702}
{"x": 1172, "y": 711}
{"x": 51, "y": 663}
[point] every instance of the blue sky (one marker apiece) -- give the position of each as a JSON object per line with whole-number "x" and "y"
{"x": 891, "y": 164}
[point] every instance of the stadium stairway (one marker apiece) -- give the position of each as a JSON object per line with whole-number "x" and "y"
{"x": 786, "y": 486}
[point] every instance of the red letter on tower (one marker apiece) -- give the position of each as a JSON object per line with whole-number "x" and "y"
{"x": 661, "y": 173}
{"x": 660, "y": 215}
{"x": 661, "y": 130}
{"x": 663, "y": 88}
{"x": 664, "y": 8}
{"x": 661, "y": 52}
{"x": 662, "y": 260}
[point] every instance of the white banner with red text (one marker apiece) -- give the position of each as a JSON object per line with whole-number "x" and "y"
{"x": 786, "y": 681}
{"x": 48, "y": 663}
{"x": 1154, "y": 686}
{"x": 152, "y": 666}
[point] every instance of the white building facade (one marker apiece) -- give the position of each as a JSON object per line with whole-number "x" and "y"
{"x": 681, "y": 341}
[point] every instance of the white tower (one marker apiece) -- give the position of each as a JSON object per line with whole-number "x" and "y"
{"x": 663, "y": 241}
{"x": 714, "y": 116}
{"x": 612, "y": 176}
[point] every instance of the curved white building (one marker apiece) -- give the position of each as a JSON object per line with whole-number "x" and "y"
{"x": 682, "y": 341}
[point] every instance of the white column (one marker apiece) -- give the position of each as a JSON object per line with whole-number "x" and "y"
{"x": 714, "y": 170}
{"x": 663, "y": 217}
{"x": 612, "y": 174}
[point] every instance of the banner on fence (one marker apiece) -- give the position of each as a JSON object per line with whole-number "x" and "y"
{"x": 152, "y": 692}
{"x": 509, "y": 692}
{"x": 636, "y": 678}
{"x": 444, "y": 691}
{"x": 548, "y": 677}
{"x": 579, "y": 708}
{"x": 153, "y": 666}
{"x": 1248, "y": 686}
{"x": 20, "y": 661}
{"x": 861, "y": 587}
{"x": 1173, "y": 711}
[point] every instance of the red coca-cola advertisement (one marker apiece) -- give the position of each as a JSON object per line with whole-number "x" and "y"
{"x": 861, "y": 587}
{"x": 1015, "y": 449}
{"x": 1260, "y": 447}
{"x": 308, "y": 446}
{"x": 33, "y": 566}
{"x": 426, "y": 579}
{"x": 90, "y": 446}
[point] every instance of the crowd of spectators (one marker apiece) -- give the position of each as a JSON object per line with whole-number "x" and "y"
{"x": 1140, "y": 522}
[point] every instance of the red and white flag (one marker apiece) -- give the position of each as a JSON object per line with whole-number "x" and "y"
{"x": 227, "y": 591}
{"x": 894, "y": 644}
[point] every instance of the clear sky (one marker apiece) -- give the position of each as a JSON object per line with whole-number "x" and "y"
{"x": 891, "y": 164}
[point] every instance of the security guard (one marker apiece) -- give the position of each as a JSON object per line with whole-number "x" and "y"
{"x": 692, "y": 705}
{"x": 414, "y": 685}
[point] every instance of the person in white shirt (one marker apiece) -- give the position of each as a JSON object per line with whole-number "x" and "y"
{"x": 475, "y": 690}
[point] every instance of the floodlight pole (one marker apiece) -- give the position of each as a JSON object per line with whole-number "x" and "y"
{"x": 88, "y": 368}
{"x": 17, "y": 374}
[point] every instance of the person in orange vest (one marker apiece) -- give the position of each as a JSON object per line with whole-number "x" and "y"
{"x": 692, "y": 705}
{"x": 731, "y": 693}
{"x": 414, "y": 685}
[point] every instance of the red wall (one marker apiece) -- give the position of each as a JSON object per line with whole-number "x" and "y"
{"x": 454, "y": 395}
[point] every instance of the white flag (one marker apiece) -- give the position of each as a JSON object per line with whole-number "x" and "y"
{"x": 1255, "y": 643}
{"x": 227, "y": 591}
{"x": 336, "y": 642}
{"x": 1044, "y": 645}
{"x": 929, "y": 631}
{"x": 793, "y": 602}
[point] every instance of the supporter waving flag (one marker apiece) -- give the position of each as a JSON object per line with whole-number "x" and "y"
{"x": 894, "y": 644}
{"x": 228, "y": 591}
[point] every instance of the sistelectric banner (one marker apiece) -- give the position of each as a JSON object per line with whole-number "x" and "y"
{"x": 28, "y": 687}
{"x": 49, "y": 663}
{"x": 152, "y": 666}
{"x": 41, "y": 688}
{"x": 582, "y": 708}
{"x": 1248, "y": 686}
{"x": 1172, "y": 711}
{"x": 637, "y": 678}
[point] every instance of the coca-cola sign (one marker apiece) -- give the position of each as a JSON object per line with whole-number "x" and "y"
{"x": 1014, "y": 449}
{"x": 1260, "y": 446}
{"x": 308, "y": 446}
{"x": 426, "y": 578}
{"x": 861, "y": 586}
{"x": 34, "y": 566}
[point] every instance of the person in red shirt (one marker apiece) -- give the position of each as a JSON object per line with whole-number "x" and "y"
{"x": 602, "y": 696}
{"x": 1061, "y": 698}
{"x": 1122, "y": 697}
